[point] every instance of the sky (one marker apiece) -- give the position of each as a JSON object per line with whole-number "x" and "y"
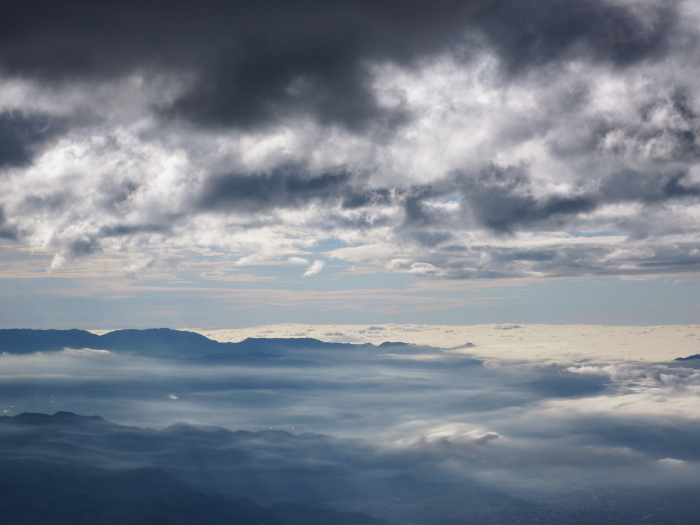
{"x": 228, "y": 164}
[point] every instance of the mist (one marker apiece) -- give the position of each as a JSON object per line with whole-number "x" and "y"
{"x": 358, "y": 419}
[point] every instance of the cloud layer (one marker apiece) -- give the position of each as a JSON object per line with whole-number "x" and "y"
{"x": 424, "y": 422}
{"x": 460, "y": 140}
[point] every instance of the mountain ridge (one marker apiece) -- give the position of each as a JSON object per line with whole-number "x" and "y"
{"x": 166, "y": 342}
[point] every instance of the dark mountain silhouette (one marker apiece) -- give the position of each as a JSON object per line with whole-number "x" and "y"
{"x": 154, "y": 341}
{"x": 164, "y": 342}
{"x": 85, "y": 469}
{"x": 41, "y": 493}
{"x": 160, "y": 342}
{"x": 24, "y": 341}
{"x": 70, "y": 469}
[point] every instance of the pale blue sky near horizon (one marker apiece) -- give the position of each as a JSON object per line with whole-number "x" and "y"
{"x": 278, "y": 294}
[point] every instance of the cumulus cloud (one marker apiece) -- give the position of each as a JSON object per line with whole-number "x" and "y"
{"x": 453, "y": 141}
{"x": 314, "y": 268}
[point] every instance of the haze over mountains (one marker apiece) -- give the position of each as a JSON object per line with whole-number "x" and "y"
{"x": 85, "y": 470}
{"x": 80, "y": 470}
{"x": 401, "y": 433}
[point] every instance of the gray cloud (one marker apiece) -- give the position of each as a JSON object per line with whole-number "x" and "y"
{"x": 556, "y": 30}
{"x": 6, "y": 232}
{"x": 262, "y": 192}
{"x": 20, "y": 135}
{"x": 455, "y": 141}
{"x": 252, "y": 63}
{"x": 501, "y": 199}
{"x": 647, "y": 187}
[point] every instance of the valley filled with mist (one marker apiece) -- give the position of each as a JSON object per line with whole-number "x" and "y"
{"x": 154, "y": 424}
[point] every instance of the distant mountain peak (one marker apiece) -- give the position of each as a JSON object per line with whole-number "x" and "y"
{"x": 466, "y": 345}
{"x": 73, "y": 415}
{"x": 689, "y": 358}
{"x": 58, "y": 417}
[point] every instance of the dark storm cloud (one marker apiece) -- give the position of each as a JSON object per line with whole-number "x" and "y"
{"x": 430, "y": 238}
{"x": 536, "y": 32}
{"x": 252, "y": 61}
{"x": 255, "y": 62}
{"x": 446, "y": 133}
{"x": 417, "y": 214}
{"x": 323, "y": 79}
{"x": 6, "y": 230}
{"x": 648, "y": 187}
{"x": 21, "y": 134}
{"x": 119, "y": 230}
{"x": 82, "y": 247}
{"x": 501, "y": 199}
{"x": 286, "y": 187}
{"x": 354, "y": 198}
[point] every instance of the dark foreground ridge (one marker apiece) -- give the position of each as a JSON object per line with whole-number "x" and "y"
{"x": 77, "y": 470}
{"x": 71, "y": 469}
{"x": 68, "y": 469}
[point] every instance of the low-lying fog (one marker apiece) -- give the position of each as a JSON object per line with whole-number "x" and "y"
{"x": 519, "y": 428}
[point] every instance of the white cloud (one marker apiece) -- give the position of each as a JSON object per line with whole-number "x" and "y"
{"x": 299, "y": 260}
{"x": 315, "y": 268}
{"x": 671, "y": 462}
{"x": 84, "y": 352}
{"x": 451, "y": 435}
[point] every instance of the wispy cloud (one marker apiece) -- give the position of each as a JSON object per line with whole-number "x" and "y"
{"x": 315, "y": 268}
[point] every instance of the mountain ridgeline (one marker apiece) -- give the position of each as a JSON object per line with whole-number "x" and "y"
{"x": 165, "y": 343}
{"x": 156, "y": 342}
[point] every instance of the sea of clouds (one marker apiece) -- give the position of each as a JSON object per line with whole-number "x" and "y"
{"x": 523, "y": 429}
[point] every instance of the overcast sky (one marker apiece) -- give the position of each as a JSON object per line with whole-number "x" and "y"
{"x": 231, "y": 163}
